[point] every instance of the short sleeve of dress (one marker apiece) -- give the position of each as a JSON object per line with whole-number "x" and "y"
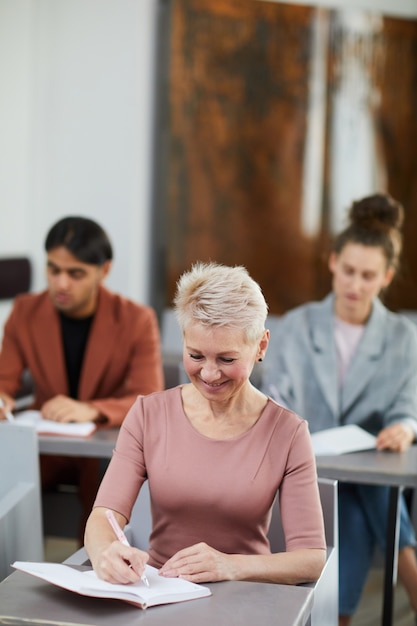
{"x": 127, "y": 470}
{"x": 299, "y": 497}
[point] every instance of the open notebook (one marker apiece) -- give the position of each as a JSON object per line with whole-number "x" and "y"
{"x": 160, "y": 591}
{"x": 49, "y": 427}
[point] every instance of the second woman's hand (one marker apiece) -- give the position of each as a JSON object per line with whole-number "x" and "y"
{"x": 397, "y": 437}
{"x": 199, "y": 563}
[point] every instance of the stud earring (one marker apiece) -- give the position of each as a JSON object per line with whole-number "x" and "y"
{"x": 260, "y": 360}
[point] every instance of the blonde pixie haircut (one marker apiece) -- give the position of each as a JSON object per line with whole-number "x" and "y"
{"x": 218, "y": 295}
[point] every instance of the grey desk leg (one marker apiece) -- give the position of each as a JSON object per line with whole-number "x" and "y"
{"x": 391, "y": 554}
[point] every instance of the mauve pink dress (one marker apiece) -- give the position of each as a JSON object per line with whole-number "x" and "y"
{"x": 217, "y": 491}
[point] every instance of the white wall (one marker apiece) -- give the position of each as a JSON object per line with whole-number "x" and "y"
{"x": 76, "y": 102}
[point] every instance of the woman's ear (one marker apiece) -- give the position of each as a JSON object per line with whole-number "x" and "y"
{"x": 263, "y": 345}
{"x": 389, "y": 275}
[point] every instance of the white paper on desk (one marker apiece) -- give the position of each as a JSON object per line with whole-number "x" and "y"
{"x": 49, "y": 427}
{"x": 160, "y": 591}
{"x": 343, "y": 439}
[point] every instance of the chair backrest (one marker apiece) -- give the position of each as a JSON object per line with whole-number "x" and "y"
{"x": 328, "y": 497}
{"x": 140, "y": 525}
{"x": 15, "y": 277}
{"x": 21, "y": 535}
{"x": 326, "y": 589}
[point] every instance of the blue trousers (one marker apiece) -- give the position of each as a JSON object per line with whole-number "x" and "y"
{"x": 363, "y": 512}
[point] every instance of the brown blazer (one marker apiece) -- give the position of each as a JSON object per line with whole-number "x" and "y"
{"x": 122, "y": 357}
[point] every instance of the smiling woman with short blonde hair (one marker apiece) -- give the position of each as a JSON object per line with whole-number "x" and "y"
{"x": 216, "y": 452}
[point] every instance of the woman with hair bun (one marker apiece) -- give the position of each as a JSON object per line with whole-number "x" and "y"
{"x": 349, "y": 360}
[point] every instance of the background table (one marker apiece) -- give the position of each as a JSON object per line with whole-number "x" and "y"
{"x": 99, "y": 445}
{"x": 232, "y": 604}
{"x": 372, "y": 467}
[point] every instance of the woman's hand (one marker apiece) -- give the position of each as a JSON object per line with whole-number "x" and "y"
{"x": 120, "y": 564}
{"x": 199, "y": 563}
{"x": 397, "y": 437}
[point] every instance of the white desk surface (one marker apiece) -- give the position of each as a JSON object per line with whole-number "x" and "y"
{"x": 232, "y": 604}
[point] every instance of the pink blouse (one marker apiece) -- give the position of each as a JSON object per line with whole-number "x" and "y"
{"x": 217, "y": 491}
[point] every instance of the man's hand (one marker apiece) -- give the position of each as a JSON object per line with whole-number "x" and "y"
{"x": 397, "y": 437}
{"x": 64, "y": 409}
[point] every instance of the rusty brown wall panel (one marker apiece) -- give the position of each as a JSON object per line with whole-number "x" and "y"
{"x": 238, "y": 101}
{"x": 238, "y": 104}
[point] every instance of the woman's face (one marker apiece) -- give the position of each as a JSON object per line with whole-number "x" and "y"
{"x": 219, "y": 360}
{"x": 359, "y": 274}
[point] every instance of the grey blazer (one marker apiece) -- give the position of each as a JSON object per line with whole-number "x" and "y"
{"x": 381, "y": 383}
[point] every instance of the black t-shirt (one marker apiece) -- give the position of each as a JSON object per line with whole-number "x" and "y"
{"x": 74, "y": 336}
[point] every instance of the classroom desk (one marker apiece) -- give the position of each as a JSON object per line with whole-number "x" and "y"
{"x": 99, "y": 445}
{"x": 232, "y": 604}
{"x": 372, "y": 467}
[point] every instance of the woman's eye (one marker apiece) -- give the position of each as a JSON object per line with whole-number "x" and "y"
{"x": 225, "y": 360}
{"x": 195, "y": 357}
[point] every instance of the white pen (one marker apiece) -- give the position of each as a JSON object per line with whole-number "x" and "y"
{"x": 122, "y": 537}
{"x": 9, "y": 415}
